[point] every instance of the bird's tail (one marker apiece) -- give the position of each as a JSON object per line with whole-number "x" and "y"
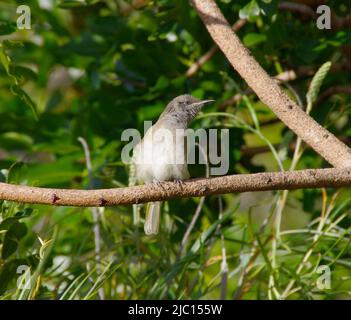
{"x": 152, "y": 220}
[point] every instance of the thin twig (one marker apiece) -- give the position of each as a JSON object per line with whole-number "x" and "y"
{"x": 318, "y": 235}
{"x": 224, "y": 264}
{"x": 277, "y": 217}
{"x": 198, "y": 208}
{"x": 95, "y": 213}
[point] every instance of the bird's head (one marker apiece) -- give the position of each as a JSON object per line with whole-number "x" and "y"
{"x": 185, "y": 107}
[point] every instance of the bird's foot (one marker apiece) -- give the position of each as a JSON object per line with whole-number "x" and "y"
{"x": 157, "y": 183}
{"x": 179, "y": 182}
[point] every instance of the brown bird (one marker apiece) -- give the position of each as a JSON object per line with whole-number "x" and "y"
{"x": 161, "y": 154}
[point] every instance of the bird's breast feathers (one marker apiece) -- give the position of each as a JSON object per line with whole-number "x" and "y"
{"x": 161, "y": 155}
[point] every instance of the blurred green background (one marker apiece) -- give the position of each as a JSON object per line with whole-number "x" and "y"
{"x": 95, "y": 68}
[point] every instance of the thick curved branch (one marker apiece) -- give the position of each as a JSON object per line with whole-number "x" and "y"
{"x": 320, "y": 139}
{"x": 168, "y": 190}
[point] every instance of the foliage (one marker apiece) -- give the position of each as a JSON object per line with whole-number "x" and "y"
{"x": 95, "y": 68}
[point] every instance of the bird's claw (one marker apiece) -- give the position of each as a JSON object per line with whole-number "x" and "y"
{"x": 157, "y": 183}
{"x": 178, "y": 182}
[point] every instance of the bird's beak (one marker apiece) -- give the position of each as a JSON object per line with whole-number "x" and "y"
{"x": 200, "y": 104}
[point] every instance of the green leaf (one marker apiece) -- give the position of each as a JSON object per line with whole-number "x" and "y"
{"x": 161, "y": 84}
{"x": 14, "y": 234}
{"x": 8, "y": 271}
{"x": 268, "y": 7}
{"x": 6, "y": 63}
{"x": 16, "y": 90}
{"x": 251, "y": 11}
{"x": 2, "y": 177}
{"x": 9, "y": 247}
{"x": 15, "y": 141}
{"x": 317, "y": 82}
{"x": 7, "y": 27}
{"x": 12, "y": 44}
{"x": 26, "y": 99}
{"x": 17, "y": 231}
{"x": 207, "y": 233}
{"x": 15, "y": 172}
{"x": 252, "y": 112}
{"x": 27, "y": 212}
{"x": 4, "y": 59}
{"x": 23, "y": 73}
{"x": 253, "y": 39}
{"x": 7, "y": 223}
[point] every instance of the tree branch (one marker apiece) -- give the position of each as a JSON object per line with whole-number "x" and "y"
{"x": 311, "y": 178}
{"x": 320, "y": 139}
{"x": 95, "y": 214}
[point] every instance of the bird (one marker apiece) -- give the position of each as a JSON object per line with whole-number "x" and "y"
{"x": 161, "y": 154}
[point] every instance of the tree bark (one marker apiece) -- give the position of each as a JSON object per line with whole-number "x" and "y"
{"x": 320, "y": 139}
{"x": 316, "y": 178}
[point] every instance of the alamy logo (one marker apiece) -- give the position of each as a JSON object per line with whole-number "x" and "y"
{"x": 24, "y": 20}
{"x": 324, "y": 20}
{"x": 24, "y": 279}
{"x": 175, "y": 143}
{"x": 323, "y": 281}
